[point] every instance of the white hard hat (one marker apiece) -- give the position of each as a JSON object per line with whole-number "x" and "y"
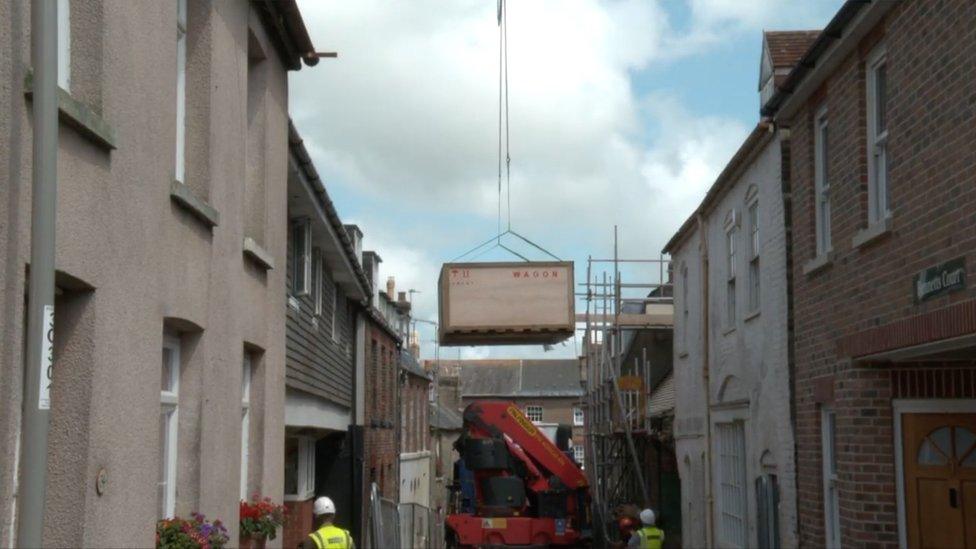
{"x": 646, "y": 516}
{"x": 323, "y": 506}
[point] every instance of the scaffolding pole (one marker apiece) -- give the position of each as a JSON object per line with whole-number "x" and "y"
{"x": 616, "y": 429}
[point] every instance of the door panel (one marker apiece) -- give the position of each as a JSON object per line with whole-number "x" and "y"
{"x": 940, "y": 483}
{"x": 934, "y": 508}
{"x": 969, "y": 511}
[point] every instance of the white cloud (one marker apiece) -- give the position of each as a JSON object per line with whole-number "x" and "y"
{"x": 407, "y": 116}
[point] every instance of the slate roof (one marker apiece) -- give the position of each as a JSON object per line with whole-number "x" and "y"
{"x": 521, "y": 378}
{"x": 410, "y": 364}
{"x": 444, "y": 418}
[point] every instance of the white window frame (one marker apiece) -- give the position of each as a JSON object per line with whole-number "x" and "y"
{"x": 579, "y": 454}
{"x": 64, "y": 45}
{"x": 579, "y": 418}
{"x": 755, "y": 245}
{"x": 831, "y": 499}
{"x": 169, "y": 406}
{"x": 733, "y": 497}
{"x": 317, "y": 281}
{"x": 180, "y": 167}
{"x": 335, "y": 314}
{"x": 305, "y": 470}
{"x": 878, "y": 203}
{"x": 821, "y": 165}
{"x": 302, "y": 257}
{"x": 731, "y": 231}
{"x": 684, "y": 308}
{"x": 246, "y": 374}
{"x": 530, "y": 411}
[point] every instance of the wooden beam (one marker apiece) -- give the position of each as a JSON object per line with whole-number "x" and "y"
{"x": 630, "y": 319}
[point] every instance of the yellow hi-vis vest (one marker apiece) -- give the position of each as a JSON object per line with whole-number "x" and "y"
{"x": 331, "y": 537}
{"x": 651, "y": 537}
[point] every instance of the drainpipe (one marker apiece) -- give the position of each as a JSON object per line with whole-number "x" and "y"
{"x": 40, "y": 316}
{"x": 709, "y": 496}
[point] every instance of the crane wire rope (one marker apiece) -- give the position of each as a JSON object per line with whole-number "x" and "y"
{"x": 503, "y": 143}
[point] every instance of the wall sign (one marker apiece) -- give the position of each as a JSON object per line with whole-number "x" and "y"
{"x": 941, "y": 279}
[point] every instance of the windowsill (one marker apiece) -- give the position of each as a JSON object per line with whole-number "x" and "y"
{"x": 182, "y": 195}
{"x": 752, "y": 315}
{"x": 258, "y": 254}
{"x": 296, "y": 497}
{"x": 683, "y": 354}
{"x": 872, "y": 233}
{"x": 294, "y": 304}
{"x": 728, "y": 330}
{"x": 818, "y": 263}
{"x": 78, "y": 115}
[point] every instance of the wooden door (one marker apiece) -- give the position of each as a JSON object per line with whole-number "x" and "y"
{"x": 940, "y": 480}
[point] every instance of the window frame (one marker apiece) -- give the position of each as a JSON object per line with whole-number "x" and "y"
{"x": 302, "y": 261}
{"x": 335, "y": 314}
{"x": 531, "y": 408}
{"x": 181, "y": 32}
{"x": 755, "y": 249}
{"x": 878, "y": 196}
{"x": 64, "y": 44}
{"x": 831, "y": 496}
{"x": 731, "y": 230}
{"x": 579, "y": 454}
{"x": 579, "y": 416}
{"x": 318, "y": 281}
{"x": 684, "y": 308}
{"x": 821, "y": 169}
{"x": 247, "y": 372}
{"x": 169, "y": 407}
{"x": 732, "y": 474}
{"x": 305, "y": 470}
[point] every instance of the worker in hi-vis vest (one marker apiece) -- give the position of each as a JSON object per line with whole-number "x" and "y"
{"x": 327, "y": 535}
{"x": 648, "y": 536}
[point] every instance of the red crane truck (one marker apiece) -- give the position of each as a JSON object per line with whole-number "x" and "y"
{"x": 527, "y": 492}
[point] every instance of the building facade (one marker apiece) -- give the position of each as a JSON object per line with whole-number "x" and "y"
{"x": 548, "y": 391}
{"x": 733, "y": 428}
{"x": 169, "y": 351}
{"x": 416, "y": 518}
{"x": 327, "y": 293}
{"x": 882, "y": 235}
{"x": 385, "y": 334}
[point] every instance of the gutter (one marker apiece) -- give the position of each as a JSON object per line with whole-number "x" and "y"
{"x": 289, "y": 33}
{"x": 709, "y": 496}
{"x": 854, "y": 20}
{"x": 297, "y": 146}
{"x": 760, "y": 135}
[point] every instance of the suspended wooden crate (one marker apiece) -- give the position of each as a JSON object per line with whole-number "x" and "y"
{"x": 516, "y": 303}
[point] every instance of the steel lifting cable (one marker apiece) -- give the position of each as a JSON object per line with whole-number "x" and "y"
{"x": 503, "y": 139}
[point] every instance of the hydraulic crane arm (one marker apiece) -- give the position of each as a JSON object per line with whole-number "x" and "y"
{"x": 504, "y": 418}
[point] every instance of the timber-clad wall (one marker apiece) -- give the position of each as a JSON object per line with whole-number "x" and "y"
{"x": 314, "y": 362}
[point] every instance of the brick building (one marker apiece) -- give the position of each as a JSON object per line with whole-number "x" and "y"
{"x": 548, "y": 391}
{"x": 883, "y": 231}
{"x": 415, "y": 451}
{"x": 386, "y": 330}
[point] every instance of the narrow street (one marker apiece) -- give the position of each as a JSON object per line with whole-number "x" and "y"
{"x": 485, "y": 274}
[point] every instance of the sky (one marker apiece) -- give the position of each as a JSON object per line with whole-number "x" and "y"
{"x": 621, "y": 113}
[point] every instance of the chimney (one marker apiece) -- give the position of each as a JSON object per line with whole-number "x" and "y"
{"x": 356, "y": 236}
{"x": 371, "y": 264}
{"x": 415, "y": 344}
{"x": 391, "y": 288}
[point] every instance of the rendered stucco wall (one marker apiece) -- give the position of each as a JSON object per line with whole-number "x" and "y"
{"x": 146, "y": 264}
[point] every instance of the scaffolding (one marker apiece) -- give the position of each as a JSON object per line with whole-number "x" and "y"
{"x": 617, "y": 419}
